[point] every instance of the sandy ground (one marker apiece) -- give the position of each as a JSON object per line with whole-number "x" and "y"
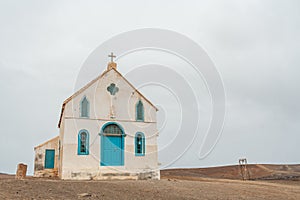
{"x": 163, "y": 189}
{"x": 175, "y": 184}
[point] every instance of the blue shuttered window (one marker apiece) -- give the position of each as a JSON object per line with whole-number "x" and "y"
{"x": 139, "y": 144}
{"x": 83, "y": 142}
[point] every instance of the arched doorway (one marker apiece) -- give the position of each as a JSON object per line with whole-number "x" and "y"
{"x": 112, "y": 145}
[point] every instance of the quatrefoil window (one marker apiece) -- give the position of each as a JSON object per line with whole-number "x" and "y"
{"x": 113, "y": 89}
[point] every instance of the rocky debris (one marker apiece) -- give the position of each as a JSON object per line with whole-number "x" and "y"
{"x": 148, "y": 175}
{"x": 83, "y": 195}
{"x": 279, "y": 177}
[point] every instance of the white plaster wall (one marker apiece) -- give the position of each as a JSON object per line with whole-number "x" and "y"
{"x": 40, "y": 152}
{"x": 100, "y": 100}
{"x": 102, "y": 107}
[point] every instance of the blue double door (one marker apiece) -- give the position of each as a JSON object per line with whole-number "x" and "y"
{"x": 112, "y": 151}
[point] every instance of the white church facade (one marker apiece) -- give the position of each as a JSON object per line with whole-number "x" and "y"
{"x": 107, "y": 130}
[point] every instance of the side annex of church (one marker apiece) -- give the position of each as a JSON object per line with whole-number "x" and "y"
{"x": 107, "y": 130}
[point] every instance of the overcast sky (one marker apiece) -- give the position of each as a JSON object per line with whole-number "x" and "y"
{"x": 254, "y": 45}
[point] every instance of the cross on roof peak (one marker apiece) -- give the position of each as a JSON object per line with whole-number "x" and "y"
{"x": 112, "y": 56}
{"x": 112, "y": 64}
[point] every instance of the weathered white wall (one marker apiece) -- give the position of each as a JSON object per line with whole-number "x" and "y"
{"x": 104, "y": 106}
{"x": 39, "y": 161}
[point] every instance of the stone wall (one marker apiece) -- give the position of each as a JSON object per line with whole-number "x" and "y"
{"x": 21, "y": 171}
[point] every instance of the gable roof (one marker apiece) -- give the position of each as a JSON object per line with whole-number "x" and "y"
{"x": 48, "y": 141}
{"x": 91, "y": 83}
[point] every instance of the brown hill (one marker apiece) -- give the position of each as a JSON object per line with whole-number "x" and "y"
{"x": 256, "y": 171}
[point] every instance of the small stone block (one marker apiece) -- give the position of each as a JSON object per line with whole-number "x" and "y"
{"x": 21, "y": 171}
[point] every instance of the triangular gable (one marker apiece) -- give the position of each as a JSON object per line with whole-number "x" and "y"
{"x": 51, "y": 140}
{"x": 91, "y": 83}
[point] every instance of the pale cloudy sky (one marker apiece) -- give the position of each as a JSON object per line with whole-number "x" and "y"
{"x": 254, "y": 45}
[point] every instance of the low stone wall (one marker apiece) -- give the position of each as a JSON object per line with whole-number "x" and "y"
{"x": 46, "y": 173}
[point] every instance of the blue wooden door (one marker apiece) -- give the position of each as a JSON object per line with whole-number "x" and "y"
{"x": 49, "y": 158}
{"x": 112, "y": 151}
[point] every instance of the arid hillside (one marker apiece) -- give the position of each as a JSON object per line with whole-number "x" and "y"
{"x": 256, "y": 172}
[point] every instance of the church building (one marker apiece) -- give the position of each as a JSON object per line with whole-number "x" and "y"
{"x": 107, "y": 130}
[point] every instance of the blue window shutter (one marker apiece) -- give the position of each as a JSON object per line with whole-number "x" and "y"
{"x": 83, "y": 143}
{"x": 139, "y": 144}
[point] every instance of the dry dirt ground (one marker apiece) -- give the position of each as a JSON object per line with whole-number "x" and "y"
{"x": 208, "y": 183}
